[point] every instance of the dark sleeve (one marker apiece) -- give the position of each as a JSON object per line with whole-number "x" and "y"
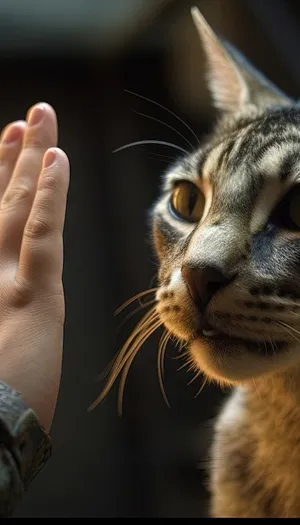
{"x": 24, "y": 448}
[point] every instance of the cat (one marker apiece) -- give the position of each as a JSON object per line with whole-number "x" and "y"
{"x": 226, "y": 231}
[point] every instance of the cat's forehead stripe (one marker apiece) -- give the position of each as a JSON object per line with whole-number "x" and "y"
{"x": 189, "y": 169}
{"x": 212, "y": 160}
{"x": 290, "y": 166}
{"x": 265, "y": 203}
{"x": 277, "y": 158}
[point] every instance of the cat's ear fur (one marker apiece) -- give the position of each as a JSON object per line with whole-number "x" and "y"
{"x": 234, "y": 84}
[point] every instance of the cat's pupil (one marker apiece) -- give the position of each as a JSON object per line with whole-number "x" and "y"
{"x": 192, "y": 200}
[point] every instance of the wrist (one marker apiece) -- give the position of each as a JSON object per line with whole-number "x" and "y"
{"x": 24, "y": 440}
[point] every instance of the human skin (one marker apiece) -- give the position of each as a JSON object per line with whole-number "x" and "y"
{"x": 34, "y": 180}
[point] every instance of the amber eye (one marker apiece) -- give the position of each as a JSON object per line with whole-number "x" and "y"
{"x": 294, "y": 208}
{"x": 187, "y": 202}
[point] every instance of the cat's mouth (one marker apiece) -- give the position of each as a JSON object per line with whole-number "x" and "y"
{"x": 217, "y": 337}
{"x": 209, "y": 331}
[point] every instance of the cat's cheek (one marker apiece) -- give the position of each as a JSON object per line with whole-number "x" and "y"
{"x": 160, "y": 243}
{"x": 177, "y": 321}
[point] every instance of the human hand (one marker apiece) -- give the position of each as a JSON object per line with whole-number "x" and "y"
{"x": 34, "y": 179}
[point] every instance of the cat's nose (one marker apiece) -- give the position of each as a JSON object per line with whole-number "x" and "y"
{"x": 204, "y": 282}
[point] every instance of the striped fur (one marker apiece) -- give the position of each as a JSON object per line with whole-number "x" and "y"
{"x": 247, "y": 169}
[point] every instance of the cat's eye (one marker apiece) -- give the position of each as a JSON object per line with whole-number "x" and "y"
{"x": 187, "y": 202}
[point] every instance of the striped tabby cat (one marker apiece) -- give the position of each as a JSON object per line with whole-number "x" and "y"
{"x": 226, "y": 230}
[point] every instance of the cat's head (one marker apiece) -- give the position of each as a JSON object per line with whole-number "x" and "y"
{"x": 226, "y": 228}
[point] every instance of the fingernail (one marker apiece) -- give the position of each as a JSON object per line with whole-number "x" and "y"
{"x": 49, "y": 158}
{"x": 36, "y": 115}
{"x": 12, "y": 134}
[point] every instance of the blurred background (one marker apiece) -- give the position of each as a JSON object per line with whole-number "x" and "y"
{"x": 81, "y": 56}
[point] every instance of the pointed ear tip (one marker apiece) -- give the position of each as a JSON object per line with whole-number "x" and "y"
{"x": 199, "y": 20}
{"x": 195, "y": 11}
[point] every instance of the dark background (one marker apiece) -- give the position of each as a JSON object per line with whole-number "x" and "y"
{"x": 80, "y": 56}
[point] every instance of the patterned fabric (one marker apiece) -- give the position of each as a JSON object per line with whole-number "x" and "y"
{"x": 24, "y": 448}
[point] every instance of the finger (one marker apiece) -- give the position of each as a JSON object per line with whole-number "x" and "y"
{"x": 10, "y": 147}
{"x": 40, "y": 134}
{"x": 41, "y": 257}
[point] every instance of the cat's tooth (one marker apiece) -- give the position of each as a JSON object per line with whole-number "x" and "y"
{"x": 209, "y": 333}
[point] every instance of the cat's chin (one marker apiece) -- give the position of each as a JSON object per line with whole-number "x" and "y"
{"x": 233, "y": 360}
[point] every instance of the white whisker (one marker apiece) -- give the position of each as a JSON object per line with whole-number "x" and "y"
{"x": 169, "y": 157}
{"x": 166, "y": 125}
{"x": 165, "y": 109}
{"x": 289, "y": 329}
{"x": 288, "y": 326}
{"x": 159, "y": 142}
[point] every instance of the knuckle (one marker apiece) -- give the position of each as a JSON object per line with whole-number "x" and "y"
{"x": 37, "y": 227}
{"x": 15, "y": 195}
{"x": 21, "y": 294}
{"x": 38, "y": 139}
{"x": 35, "y": 143}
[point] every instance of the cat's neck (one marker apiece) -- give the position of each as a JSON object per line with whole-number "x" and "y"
{"x": 276, "y": 387}
{"x": 275, "y": 398}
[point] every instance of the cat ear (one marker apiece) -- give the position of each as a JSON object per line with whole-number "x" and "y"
{"x": 232, "y": 81}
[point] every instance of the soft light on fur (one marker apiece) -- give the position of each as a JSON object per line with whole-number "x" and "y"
{"x": 247, "y": 334}
{"x": 245, "y": 170}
